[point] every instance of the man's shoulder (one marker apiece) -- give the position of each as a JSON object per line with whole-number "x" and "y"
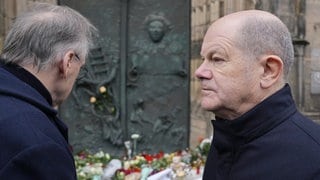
{"x": 27, "y": 131}
{"x": 17, "y": 93}
{"x": 305, "y": 125}
{"x": 46, "y": 160}
{"x": 26, "y": 127}
{"x": 14, "y": 109}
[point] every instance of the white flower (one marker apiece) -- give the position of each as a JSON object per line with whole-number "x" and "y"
{"x": 205, "y": 141}
{"x": 82, "y": 174}
{"x": 135, "y": 136}
{"x": 107, "y": 155}
{"x": 166, "y": 155}
{"x": 140, "y": 158}
{"x": 126, "y": 165}
{"x": 99, "y": 154}
{"x": 132, "y": 162}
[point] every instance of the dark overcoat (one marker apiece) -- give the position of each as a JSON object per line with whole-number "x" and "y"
{"x": 273, "y": 141}
{"x": 33, "y": 141}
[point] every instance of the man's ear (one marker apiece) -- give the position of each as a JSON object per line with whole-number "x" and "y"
{"x": 65, "y": 64}
{"x": 272, "y": 70}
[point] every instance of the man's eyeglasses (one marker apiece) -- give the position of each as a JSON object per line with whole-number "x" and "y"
{"x": 83, "y": 70}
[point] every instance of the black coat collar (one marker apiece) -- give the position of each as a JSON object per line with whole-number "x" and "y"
{"x": 28, "y": 78}
{"x": 256, "y": 122}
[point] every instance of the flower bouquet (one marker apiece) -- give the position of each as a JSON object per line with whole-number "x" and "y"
{"x": 183, "y": 164}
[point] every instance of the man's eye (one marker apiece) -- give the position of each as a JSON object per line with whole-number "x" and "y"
{"x": 217, "y": 59}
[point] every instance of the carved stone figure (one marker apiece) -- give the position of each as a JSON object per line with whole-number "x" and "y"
{"x": 100, "y": 73}
{"x": 163, "y": 53}
{"x": 157, "y": 69}
{"x": 157, "y": 26}
{"x": 137, "y": 116}
{"x": 156, "y": 31}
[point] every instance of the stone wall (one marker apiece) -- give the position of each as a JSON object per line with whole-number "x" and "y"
{"x": 10, "y": 9}
{"x": 312, "y": 60}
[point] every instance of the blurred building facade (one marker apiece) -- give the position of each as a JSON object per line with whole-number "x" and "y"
{"x": 300, "y": 16}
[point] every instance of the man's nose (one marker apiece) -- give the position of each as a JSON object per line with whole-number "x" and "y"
{"x": 202, "y": 72}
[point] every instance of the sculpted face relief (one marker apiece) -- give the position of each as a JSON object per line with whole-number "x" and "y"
{"x": 156, "y": 30}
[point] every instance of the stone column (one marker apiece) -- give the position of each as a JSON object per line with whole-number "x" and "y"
{"x": 299, "y": 46}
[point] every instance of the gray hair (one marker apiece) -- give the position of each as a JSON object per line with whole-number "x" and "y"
{"x": 45, "y": 33}
{"x": 262, "y": 35}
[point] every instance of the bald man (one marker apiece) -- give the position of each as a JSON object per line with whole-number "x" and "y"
{"x": 258, "y": 132}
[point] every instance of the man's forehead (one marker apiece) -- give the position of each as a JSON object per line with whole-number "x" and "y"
{"x": 216, "y": 44}
{"x": 205, "y": 46}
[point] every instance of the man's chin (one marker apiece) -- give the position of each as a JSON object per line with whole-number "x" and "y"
{"x": 208, "y": 107}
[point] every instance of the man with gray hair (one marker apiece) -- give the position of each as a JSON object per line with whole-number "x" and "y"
{"x": 40, "y": 61}
{"x": 258, "y": 131}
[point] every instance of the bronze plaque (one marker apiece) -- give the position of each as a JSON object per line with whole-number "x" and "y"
{"x": 137, "y": 80}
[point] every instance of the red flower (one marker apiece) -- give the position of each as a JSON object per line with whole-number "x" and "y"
{"x": 83, "y": 154}
{"x": 148, "y": 157}
{"x": 179, "y": 153}
{"x": 159, "y": 155}
{"x": 134, "y": 169}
